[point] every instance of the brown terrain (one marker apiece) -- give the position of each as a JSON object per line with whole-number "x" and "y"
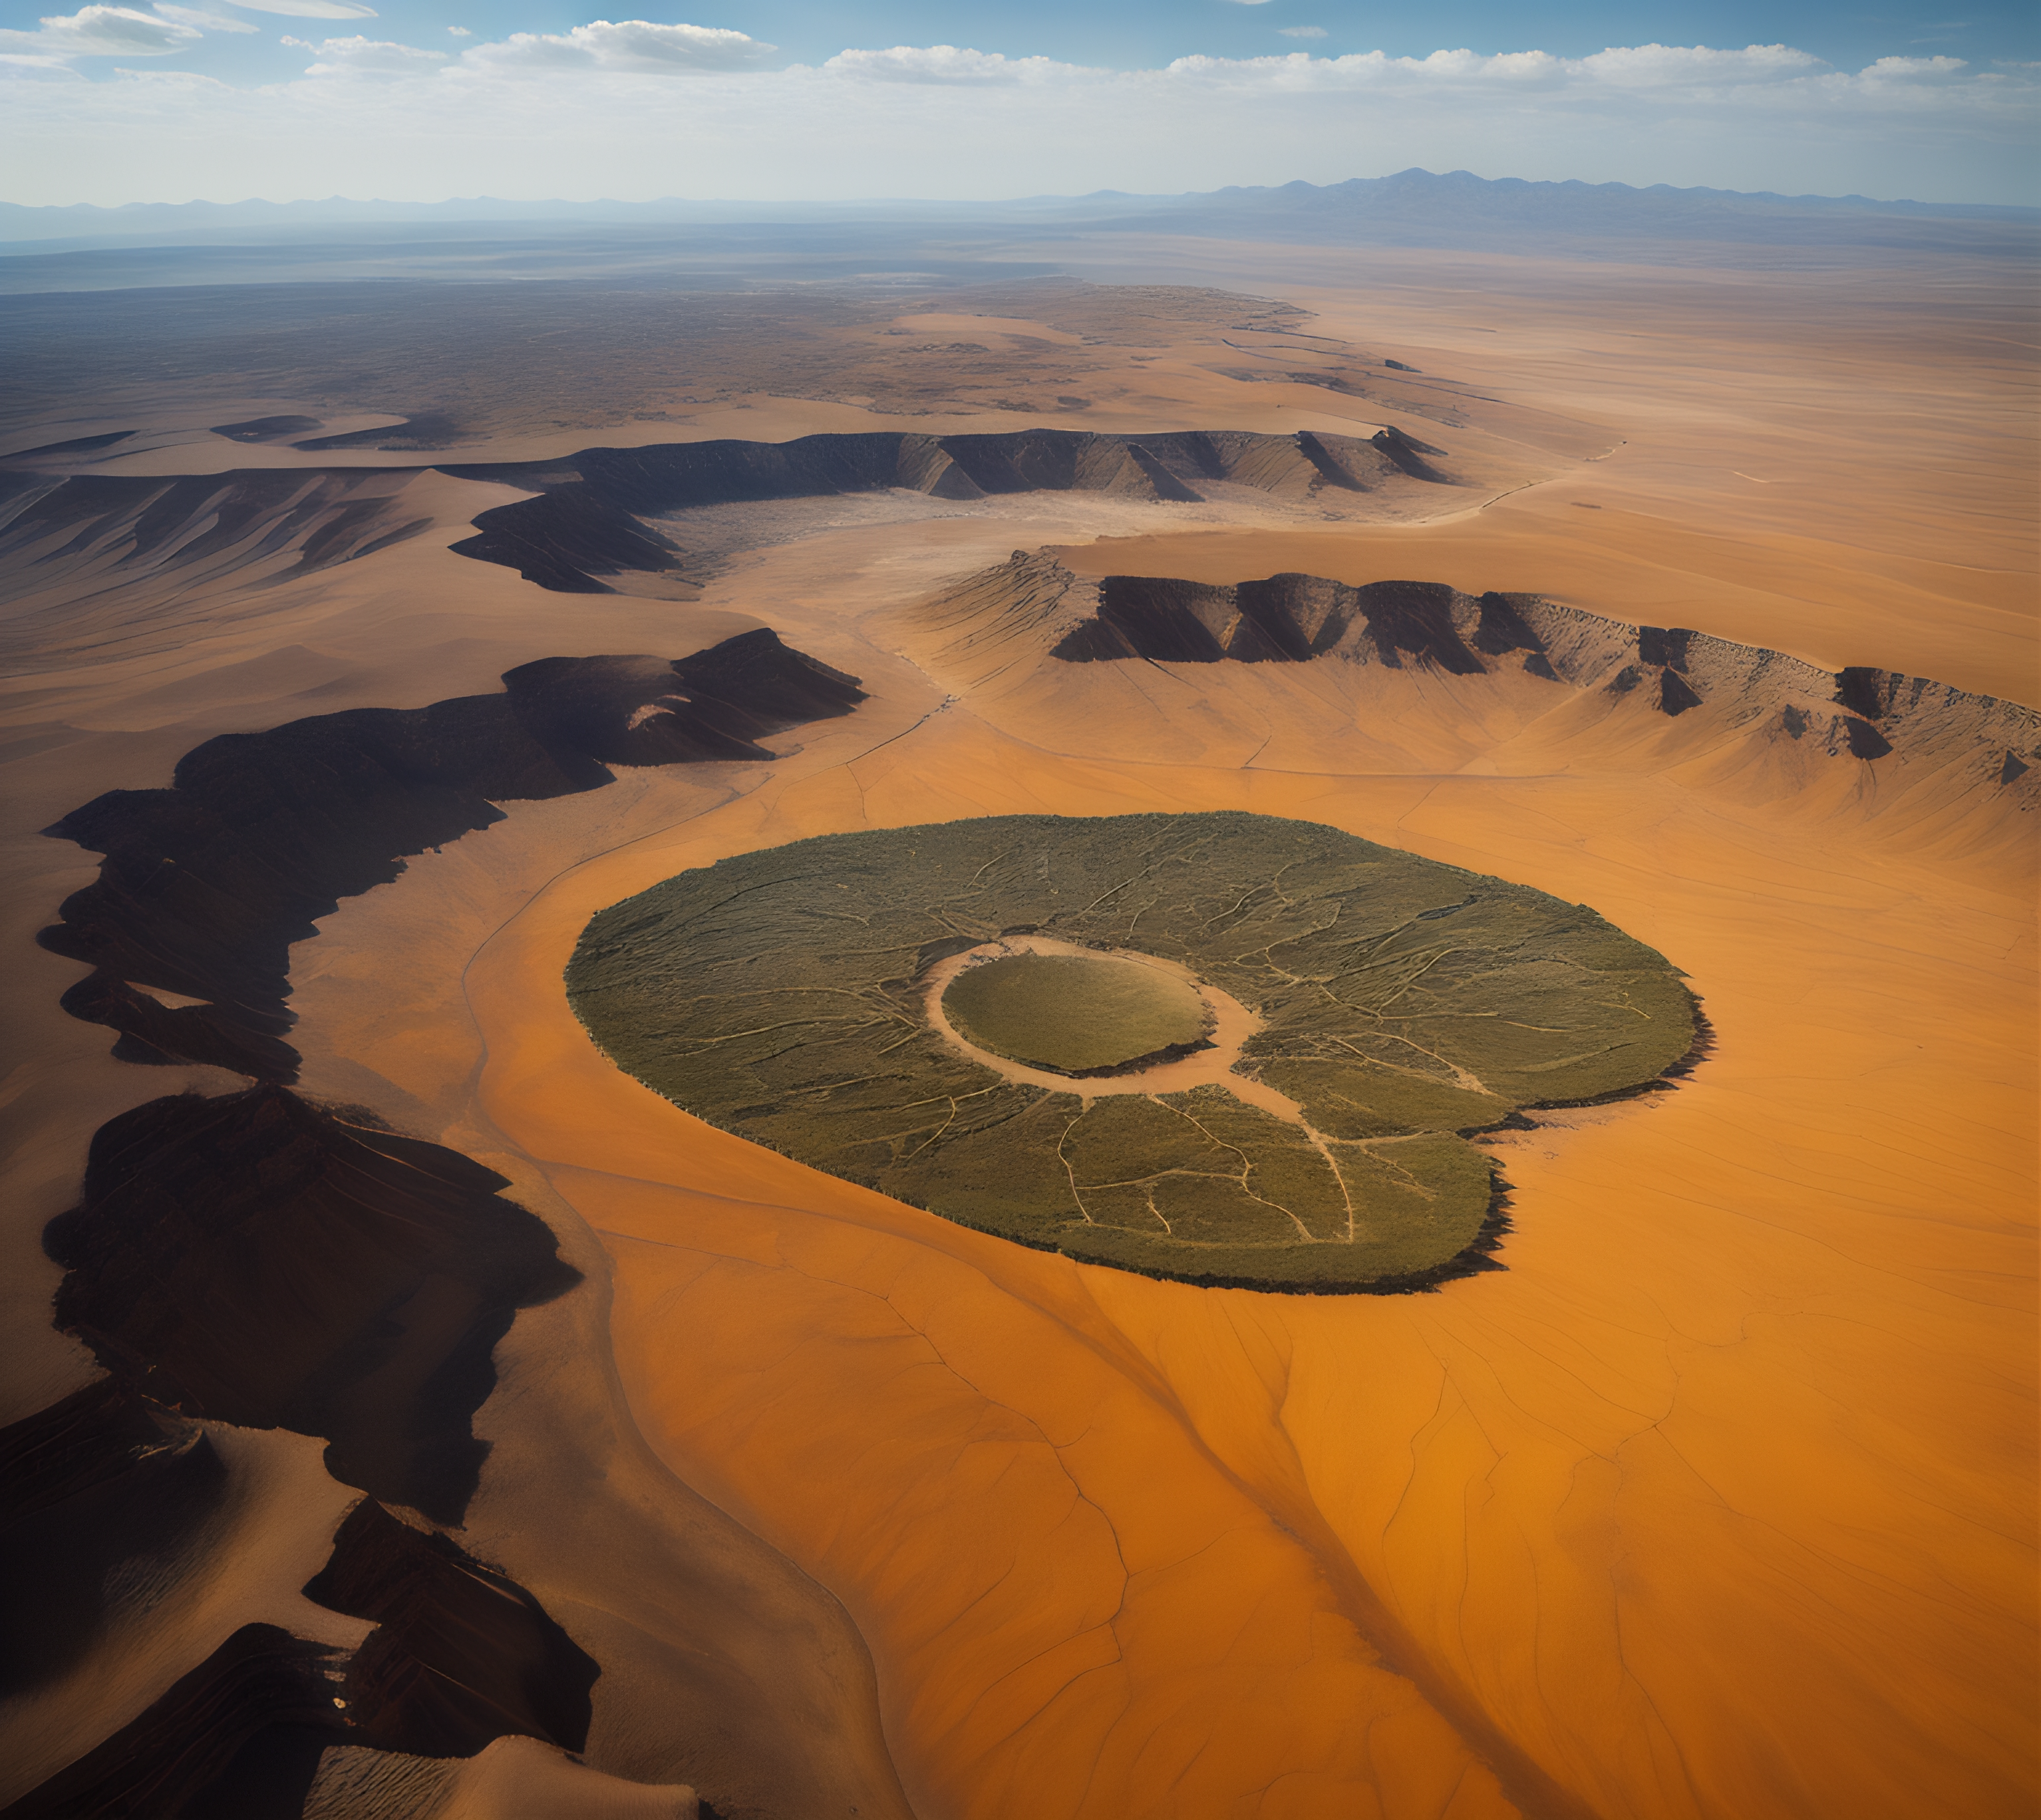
{"x": 433, "y": 1420}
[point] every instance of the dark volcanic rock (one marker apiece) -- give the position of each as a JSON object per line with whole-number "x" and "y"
{"x": 1417, "y": 617}
{"x": 585, "y": 521}
{"x": 97, "y": 1494}
{"x": 461, "y": 1653}
{"x": 1428, "y": 628}
{"x": 1676, "y": 694}
{"x": 1291, "y": 619}
{"x": 1178, "y": 622}
{"x": 1864, "y": 691}
{"x": 1503, "y": 628}
{"x": 206, "y": 885}
{"x": 238, "y": 1736}
{"x": 1663, "y": 645}
{"x": 257, "y": 1260}
{"x": 564, "y": 538}
{"x": 1407, "y": 452}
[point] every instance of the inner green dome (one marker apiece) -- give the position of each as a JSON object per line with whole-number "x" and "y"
{"x": 1073, "y": 1013}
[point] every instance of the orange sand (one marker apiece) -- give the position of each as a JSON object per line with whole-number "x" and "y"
{"x": 1718, "y": 1502}
{"x": 1715, "y": 1504}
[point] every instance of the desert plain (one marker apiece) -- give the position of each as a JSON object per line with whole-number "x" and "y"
{"x": 1716, "y": 1499}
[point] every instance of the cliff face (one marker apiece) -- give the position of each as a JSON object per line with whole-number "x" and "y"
{"x": 1291, "y": 619}
{"x": 256, "y": 1260}
{"x": 460, "y": 1654}
{"x": 98, "y": 1494}
{"x": 1427, "y": 679}
{"x": 206, "y": 885}
{"x": 1426, "y": 627}
{"x": 241, "y": 1733}
{"x": 586, "y": 520}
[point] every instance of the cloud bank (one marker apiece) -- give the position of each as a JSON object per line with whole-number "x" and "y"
{"x": 633, "y": 46}
{"x": 99, "y": 32}
{"x": 311, "y": 8}
{"x": 636, "y": 110}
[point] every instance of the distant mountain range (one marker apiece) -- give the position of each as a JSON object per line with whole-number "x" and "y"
{"x": 1412, "y": 207}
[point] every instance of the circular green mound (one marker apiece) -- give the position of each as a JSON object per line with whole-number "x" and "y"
{"x": 1405, "y": 1006}
{"x": 1073, "y": 1013}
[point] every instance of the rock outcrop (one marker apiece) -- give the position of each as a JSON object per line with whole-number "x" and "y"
{"x": 588, "y": 520}
{"x": 205, "y": 885}
{"x": 257, "y": 1260}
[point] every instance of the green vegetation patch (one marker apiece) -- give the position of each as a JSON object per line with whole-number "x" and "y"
{"x": 1073, "y": 1013}
{"x": 784, "y": 996}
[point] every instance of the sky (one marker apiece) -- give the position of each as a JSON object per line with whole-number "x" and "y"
{"x": 422, "y": 100}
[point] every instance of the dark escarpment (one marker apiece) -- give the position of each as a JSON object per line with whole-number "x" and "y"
{"x": 239, "y": 1734}
{"x": 586, "y": 520}
{"x": 1291, "y": 619}
{"x": 1864, "y": 714}
{"x": 257, "y": 1260}
{"x": 565, "y": 538}
{"x": 206, "y": 884}
{"x": 98, "y": 1494}
{"x": 460, "y": 1655}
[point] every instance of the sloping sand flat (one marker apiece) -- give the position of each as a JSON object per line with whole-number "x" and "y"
{"x": 1624, "y": 1508}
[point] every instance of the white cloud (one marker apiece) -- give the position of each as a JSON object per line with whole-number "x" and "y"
{"x": 360, "y": 56}
{"x": 1695, "y": 69}
{"x": 182, "y": 83}
{"x": 1902, "y": 69}
{"x": 460, "y": 31}
{"x": 1672, "y": 66}
{"x": 202, "y": 21}
{"x": 593, "y": 112}
{"x": 99, "y": 32}
{"x": 633, "y": 45}
{"x": 947, "y": 64}
{"x": 310, "y": 9}
{"x": 1302, "y": 31}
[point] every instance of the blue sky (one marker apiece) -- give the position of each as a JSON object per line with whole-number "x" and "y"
{"x": 1128, "y": 34}
{"x": 165, "y": 100}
